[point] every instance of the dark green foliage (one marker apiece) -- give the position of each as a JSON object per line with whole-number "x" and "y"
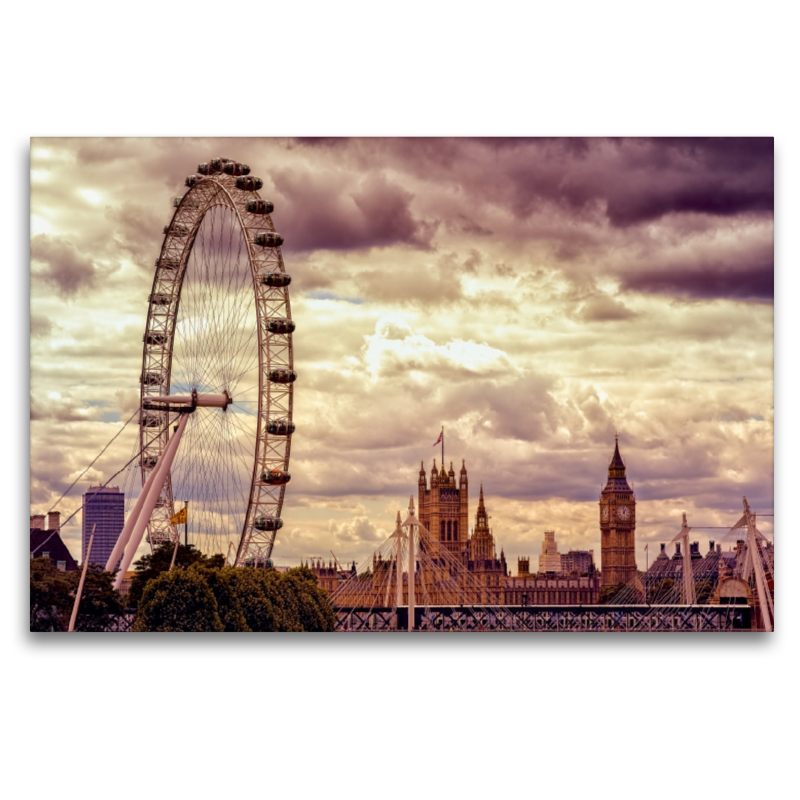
{"x": 661, "y": 591}
{"x": 703, "y": 590}
{"x": 255, "y": 597}
{"x": 178, "y": 600}
{"x": 314, "y": 607}
{"x": 239, "y": 599}
{"x": 152, "y": 565}
{"x": 222, "y": 583}
{"x": 100, "y": 602}
{"x": 607, "y": 592}
{"x": 51, "y": 598}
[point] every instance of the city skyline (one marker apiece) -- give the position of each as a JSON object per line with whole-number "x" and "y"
{"x": 534, "y": 296}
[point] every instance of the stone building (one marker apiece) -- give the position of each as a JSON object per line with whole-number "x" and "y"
{"x": 444, "y": 507}
{"x": 617, "y": 525}
{"x": 482, "y": 560}
{"x": 550, "y": 559}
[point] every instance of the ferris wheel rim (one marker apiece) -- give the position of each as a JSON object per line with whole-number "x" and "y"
{"x": 275, "y": 352}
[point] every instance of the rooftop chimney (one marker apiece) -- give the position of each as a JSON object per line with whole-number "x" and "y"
{"x": 54, "y": 521}
{"x": 37, "y": 522}
{"x": 711, "y": 546}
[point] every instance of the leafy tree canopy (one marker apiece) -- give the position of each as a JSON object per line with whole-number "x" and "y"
{"x": 178, "y": 600}
{"x": 53, "y": 597}
{"x": 608, "y": 592}
{"x": 237, "y": 600}
{"x": 152, "y": 565}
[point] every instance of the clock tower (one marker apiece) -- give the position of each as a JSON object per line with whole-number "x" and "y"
{"x": 617, "y": 525}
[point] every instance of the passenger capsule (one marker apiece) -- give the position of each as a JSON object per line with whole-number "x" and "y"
{"x": 160, "y": 299}
{"x": 151, "y": 378}
{"x": 191, "y": 180}
{"x": 280, "y": 325}
{"x": 260, "y": 206}
{"x": 215, "y": 165}
{"x": 235, "y": 168}
{"x": 266, "y": 522}
{"x": 280, "y": 427}
{"x": 276, "y": 279}
{"x": 177, "y": 201}
{"x": 149, "y": 462}
{"x": 168, "y": 262}
{"x": 203, "y": 168}
{"x": 176, "y": 230}
{"x": 283, "y": 376}
{"x": 276, "y": 477}
{"x": 249, "y": 184}
{"x": 151, "y": 420}
{"x": 155, "y": 338}
{"x": 268, "y": 239}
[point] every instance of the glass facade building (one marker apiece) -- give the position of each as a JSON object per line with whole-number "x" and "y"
{"x": 106, "y": 509}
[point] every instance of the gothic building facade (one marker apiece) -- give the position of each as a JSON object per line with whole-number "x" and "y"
{"x": 481, "y": 555}
{"x": 444, "y": 507}
{"x": 617, "y": 525}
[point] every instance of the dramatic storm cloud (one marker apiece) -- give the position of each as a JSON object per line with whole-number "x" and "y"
{"x": 534, "y": 296}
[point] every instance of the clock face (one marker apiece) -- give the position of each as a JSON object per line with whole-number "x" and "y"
{"x": 623, "y": 512}
{"x": 604, "y": 513}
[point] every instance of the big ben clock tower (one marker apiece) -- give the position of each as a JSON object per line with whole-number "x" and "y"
{"x": 617, "y": 525}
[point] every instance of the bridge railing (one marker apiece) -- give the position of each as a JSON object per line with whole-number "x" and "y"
{"x": 628, "y": 619}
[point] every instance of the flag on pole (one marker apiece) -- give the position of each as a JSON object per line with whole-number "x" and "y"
{"x": 441, "y": 436}
{"x": 179, "y": 518}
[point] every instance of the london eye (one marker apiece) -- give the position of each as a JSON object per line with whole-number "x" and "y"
{"x": 219, "y": 326}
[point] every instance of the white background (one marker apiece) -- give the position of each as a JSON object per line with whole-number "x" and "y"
{"x": 610, "y": 716}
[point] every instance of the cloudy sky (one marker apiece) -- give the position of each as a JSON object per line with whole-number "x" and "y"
{"x": 531, "y": 295}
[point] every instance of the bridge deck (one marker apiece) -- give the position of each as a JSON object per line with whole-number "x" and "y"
{"x": 633, "y": 618}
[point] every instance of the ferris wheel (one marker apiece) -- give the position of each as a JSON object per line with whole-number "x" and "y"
{"x": 218, "y": 349}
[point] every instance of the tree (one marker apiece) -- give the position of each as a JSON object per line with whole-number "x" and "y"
{"x": 660, "y": 591}
{"x": 229, "y": 599}
{"x": 314, "y": 605}
{"x": 704, "y": 589}
{"x": 256, "y": 597}
{"x": 51, "y": 598}
{"x": 100, "y": 602}
{"x": 153, "y": 564}
{"x": 178, "y": 600}
{"x": 608, "y": 592}
{"x": 222, "y": 583}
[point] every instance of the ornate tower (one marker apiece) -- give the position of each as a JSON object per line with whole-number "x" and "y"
{"x": 617, "y": 525}
{"x": 482, "y": 541}
{"x": 444, "y": 508}
{"x": 488, "y": 569}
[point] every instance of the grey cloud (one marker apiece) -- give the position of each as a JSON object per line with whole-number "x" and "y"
{"x": 754, "y": 283}
{"x": 332, "y": 211}
{"x": 58, "y": 261}
{"x": 41, "y": 326}
{"x": 605, "y": 309}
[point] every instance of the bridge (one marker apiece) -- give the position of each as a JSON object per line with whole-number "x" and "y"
{"x": 624, "y": 619}
{"x": 412, "y": 583}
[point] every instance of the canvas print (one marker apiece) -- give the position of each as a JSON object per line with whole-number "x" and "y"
{"x": 402, "y": 385}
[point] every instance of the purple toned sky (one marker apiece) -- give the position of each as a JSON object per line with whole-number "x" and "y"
{"x": 533, "y": 295}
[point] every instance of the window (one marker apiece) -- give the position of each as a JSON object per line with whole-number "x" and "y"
{"x": 61, "y": 565}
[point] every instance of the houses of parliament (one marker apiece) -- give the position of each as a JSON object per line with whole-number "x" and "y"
{"x": 562, "y": 579}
